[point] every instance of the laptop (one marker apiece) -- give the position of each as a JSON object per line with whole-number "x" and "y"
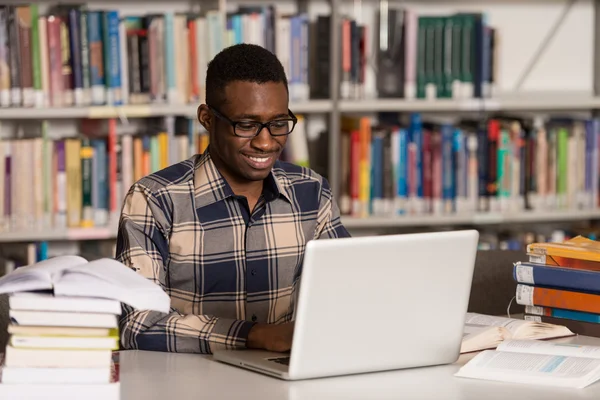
{"x": 368, "y": 304}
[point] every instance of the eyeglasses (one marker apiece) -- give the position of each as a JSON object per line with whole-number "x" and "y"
{"x": 250, "y": 129}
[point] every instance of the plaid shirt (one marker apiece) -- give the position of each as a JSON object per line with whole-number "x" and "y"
{"x": 223, "y": 266}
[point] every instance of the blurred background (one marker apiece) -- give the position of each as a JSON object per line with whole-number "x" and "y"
{"x": 424, "y": 115}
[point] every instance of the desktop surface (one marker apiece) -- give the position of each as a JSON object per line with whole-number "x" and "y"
{"x": 153, "y": 375}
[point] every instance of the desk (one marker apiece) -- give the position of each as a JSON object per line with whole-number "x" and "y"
{"x": 150, "y": 376}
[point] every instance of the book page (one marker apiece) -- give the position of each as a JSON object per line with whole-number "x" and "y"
{"x": 108, "y": 278}
{"x": 532, "y": 368}
{"x": 510, "y": 324}
{"x": 550, "y": 348}
{"x": 479, "y": 337}
{"x": 39, "y": 276}
{"x": 520, "y": 329}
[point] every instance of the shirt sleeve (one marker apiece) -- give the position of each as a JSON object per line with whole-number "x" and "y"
{"x": 329, "y": 222}
{"x": 142, "y": 245}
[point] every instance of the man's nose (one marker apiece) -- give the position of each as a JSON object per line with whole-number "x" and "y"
{"x": 264, "y": 141}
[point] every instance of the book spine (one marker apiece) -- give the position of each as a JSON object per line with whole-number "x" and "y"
{"x": 55, "y": 61}
{"x": 74, "y": 182}
{"x": 447, "y": 168}
{"x": 169, "y": 58}
{"x": 402, "y": 189}
{"x": 16, "y": 98}
{"x": 74, "y": 17}
{"x": 564, "y": 314}
{"x": 87, "y": 156}
{"x": 66, "y": 58}
{"x": 36, "y": 54}
{"x": 97, "y": 73}
{"x": 557, "y": 298}
{"x": 112, "y": 167}
{"x": 112, "y": 60}
{"x": 61, "y": 185}
{"x": 560, "y": 278}
{"x": 43, "y": 96}
{"x": 84, "y": 41}
{"x": 5, "y": 63}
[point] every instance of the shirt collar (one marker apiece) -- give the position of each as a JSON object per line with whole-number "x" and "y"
{"x": 210, "y": 186}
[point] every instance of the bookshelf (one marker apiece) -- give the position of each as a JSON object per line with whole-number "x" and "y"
{"x": 332, "y": 109}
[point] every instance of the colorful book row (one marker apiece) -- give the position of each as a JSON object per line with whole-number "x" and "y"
{"x": 498, "y": 165}
{"x": 78, "y": 57}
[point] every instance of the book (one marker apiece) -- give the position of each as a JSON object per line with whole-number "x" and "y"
{"x": 557, "y": 277}
{"x": 577, "y": 326}
{"x": 558, "y": 298}
{"x": 537, "y": 363}
{"x": 74, "y": 276}
{"x": 36, "y": 301}
{"x": 487, "y": 332}
{"x": 579, "y": 247}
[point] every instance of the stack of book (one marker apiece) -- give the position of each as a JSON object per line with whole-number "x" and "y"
{"x": 64, "y": 326}
{"x": 62, "y": 341}
{"x": 561, "y": 284}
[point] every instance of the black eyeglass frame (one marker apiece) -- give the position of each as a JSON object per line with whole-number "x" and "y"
{"x": 267, "y": 125}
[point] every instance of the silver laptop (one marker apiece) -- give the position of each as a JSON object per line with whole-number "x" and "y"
{"x": 370, "y": 304}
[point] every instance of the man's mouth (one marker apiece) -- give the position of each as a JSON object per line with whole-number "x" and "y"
{"x": 259, "y": 162}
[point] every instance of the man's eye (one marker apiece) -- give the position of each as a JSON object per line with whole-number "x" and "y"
{"x": 247, "y": 126}
{"x": 279, "y": 124}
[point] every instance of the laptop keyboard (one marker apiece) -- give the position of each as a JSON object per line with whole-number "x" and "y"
{"x": 281, "y": 360}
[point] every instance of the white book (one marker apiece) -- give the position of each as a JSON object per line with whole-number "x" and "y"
{"x": 64, "y": 343}
{"x": 56, "y": 376}
{"x": 107, "y": 391}
{"x": 47, "y": 302}
{"x": 56, "y": 358}
{"x": 537, "y": 363}
{"x": 74, "y": 276}
{"x": 64, "y": 319}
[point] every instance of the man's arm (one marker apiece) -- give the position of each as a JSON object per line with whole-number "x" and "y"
{"x": 142, "y": 244}
{"x": 329, "y": 223}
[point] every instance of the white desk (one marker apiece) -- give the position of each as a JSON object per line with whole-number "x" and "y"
{"x": 150, "y": 375}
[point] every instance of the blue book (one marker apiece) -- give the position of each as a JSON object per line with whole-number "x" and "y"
{"x": 556, "y": 277}
{"x": 402, "y": 169}
{"x": 376, "y": 173}
{"x": 564, "y": 314}
{"x": 96, "y": 62}
{"x": 100, "y": 189}
{"x": 112, "y": 58}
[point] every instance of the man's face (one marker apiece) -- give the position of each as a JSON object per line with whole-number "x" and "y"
{"x": 248, "y": 159}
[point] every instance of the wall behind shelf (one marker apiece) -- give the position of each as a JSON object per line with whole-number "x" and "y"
{"x": 567, "y": 63}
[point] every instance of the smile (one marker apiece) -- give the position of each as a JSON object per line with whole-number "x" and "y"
{"x": 259, "y": 162}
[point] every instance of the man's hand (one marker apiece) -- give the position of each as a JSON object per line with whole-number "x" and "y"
{"x": 271, "y": 337}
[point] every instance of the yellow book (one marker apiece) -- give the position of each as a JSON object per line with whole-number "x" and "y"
{"x": 163, "y": 145}
{"x": 74, "y": 182}
{"x": 579, "y": 248}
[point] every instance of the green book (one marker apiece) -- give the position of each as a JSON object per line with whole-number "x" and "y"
{"x": 562, "y": 162}
{"x": 503, "y": 168}
{"x": 85, "y": 56}
{"x": 87, "y": 159}
{"x": 421, "y": 56}
{"x": 154, "y": 154}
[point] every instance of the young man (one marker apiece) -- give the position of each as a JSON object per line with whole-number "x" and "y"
{"x": 224, "y": 232}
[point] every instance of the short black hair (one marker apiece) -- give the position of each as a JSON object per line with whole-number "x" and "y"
{"x": 241, "y": 62}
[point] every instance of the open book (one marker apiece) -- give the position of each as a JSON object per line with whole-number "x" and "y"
{"x": 74, "y": 276}
{"x": 536, "y": 362}
{"x": 487, "y": 332}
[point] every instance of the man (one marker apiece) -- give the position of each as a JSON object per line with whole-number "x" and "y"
{"x": 224, "y": 232}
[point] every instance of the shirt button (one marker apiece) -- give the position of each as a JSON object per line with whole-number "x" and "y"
{"x": 254, "y": 318}
{"x": 253, "y": 272}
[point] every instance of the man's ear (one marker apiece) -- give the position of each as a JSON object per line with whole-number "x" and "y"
{"x": 205, "y": 117}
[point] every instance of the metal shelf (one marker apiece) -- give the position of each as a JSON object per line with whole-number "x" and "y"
{"x": 469, "y": 219}
{"x": 540, "y": 102}
{"x": 56, "y": 235}
{"x": 138, "y": 111}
